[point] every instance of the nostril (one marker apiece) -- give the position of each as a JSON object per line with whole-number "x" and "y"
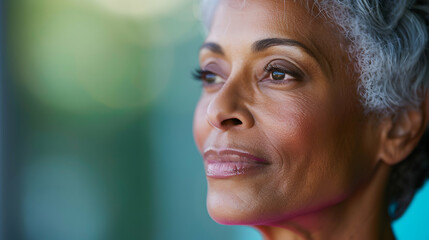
{"x": 236, "y": 121}
{"x": 231, "y": 122}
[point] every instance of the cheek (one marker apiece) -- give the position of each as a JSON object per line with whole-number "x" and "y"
{"x": 292, "y": 124}
{"x": 313, "y": 157}
{"x": 201, "y": 128}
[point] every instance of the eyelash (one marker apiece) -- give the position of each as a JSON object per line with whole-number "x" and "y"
{"x": 270, "y": 68}
{"x": 198, "y": 74}
{"x": 204, "y": 76}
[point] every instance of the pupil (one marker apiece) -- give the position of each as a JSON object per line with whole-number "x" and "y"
{"x": 278, "y": 75}
{"x": 210, "y": 77}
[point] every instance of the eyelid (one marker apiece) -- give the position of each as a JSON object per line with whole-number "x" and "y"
{"x": 217, "y": 65}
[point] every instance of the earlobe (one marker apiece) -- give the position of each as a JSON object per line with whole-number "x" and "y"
{"x": 400, "y": 135}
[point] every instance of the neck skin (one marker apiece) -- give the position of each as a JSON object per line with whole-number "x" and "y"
{"x": 363, "y": 215}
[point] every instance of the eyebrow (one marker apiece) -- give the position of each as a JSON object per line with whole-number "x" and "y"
{"x": 261, "y": 45}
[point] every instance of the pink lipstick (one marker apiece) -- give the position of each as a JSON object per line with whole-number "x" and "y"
{"x": 225, "y": 163}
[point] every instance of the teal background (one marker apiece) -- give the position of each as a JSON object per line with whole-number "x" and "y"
{"x": 100, "y": 143}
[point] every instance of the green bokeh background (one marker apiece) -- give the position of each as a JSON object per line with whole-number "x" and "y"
{"x": 102, "y": 104}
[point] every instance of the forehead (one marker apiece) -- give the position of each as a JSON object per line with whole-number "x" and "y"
{"x": 236, "y": 17}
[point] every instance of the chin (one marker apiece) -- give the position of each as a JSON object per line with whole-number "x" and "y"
{"x": 228, "y": 215}
{"x": 232, "y": 202}
{"x": 239, "y": 208}
{"x": 229, "y": 209}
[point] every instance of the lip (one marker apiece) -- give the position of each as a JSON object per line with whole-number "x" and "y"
{"x": 228, "y": 162}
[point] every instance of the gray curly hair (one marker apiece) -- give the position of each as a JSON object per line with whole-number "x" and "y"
{"x": 389, "y": 43}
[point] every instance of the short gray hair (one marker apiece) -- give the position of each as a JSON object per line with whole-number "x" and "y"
{"x": 389, "y": 42}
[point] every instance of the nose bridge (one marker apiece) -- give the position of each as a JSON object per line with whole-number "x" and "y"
{"x": 228, "y": 106}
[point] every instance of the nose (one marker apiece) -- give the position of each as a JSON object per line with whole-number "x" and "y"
{"x": 228, "y": 109}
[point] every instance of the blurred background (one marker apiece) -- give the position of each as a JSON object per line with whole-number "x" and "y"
{"x": 96, "y": 124}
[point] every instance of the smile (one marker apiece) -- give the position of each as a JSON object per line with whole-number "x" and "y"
{"x": 226, "y": 163}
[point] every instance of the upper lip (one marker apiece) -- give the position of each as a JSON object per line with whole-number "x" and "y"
{"x": 231, "y": 155}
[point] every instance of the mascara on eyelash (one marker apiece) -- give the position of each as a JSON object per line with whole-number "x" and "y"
{"x": 201, "y": 75}
{"x": 271, "y": 68}
{"x": 198, "y": 73}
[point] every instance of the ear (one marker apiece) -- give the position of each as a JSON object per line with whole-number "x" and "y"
{"x": 400, "y": 135}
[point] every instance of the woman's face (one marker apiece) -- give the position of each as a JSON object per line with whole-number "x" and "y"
{"x": 278, "y": 123}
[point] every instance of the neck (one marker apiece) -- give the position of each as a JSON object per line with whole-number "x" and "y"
{"x": 363, "y": 215}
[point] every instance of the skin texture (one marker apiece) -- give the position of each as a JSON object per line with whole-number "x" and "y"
{"x": 328, "y": 163}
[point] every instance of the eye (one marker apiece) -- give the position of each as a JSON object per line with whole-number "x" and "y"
{"x": 207, "y": 77}
{"x": 279, "y": 73}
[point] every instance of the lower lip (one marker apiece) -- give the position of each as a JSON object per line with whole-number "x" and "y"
{"x": 230, "y": 169}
